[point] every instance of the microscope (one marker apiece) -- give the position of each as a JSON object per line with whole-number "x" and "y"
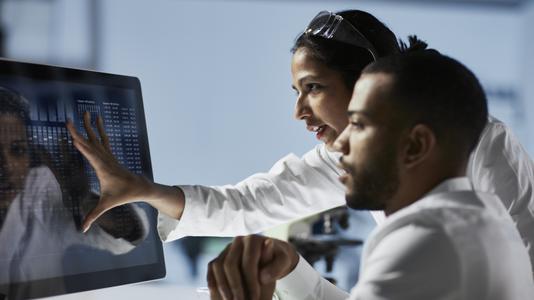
{"x": 316, "y": 238}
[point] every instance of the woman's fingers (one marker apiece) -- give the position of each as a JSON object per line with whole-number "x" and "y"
{"x": 94, "y": 214}
{"x": 74, "y": 133}
{"x": 97, "y": 153}
{"x": 91, "y": 141}
{"x": 91, "y": 136}
{"x": 88, "y": 153}
{"x": 103, "y": 136}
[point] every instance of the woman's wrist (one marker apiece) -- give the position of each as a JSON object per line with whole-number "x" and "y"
{"x": 169, "y": 200}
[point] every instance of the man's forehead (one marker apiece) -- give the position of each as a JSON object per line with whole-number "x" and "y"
{"x": 370, "y": 93}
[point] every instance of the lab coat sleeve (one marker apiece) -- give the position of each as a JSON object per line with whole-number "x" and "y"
{"x": 305, "y": 283}
{"x": 97, "y": 237}
{"x": 410, "y": 263}
{"x": 50, "y": 212}
{"x": 500, "y": 165}
{"x": 293, "y": 188}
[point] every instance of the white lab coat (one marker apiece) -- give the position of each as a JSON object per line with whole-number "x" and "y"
{"x": 452, "y": 244}
{"x": 297, "y": 187}
{"x": 38, "y": 229}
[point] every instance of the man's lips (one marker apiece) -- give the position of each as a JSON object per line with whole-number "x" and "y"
{"x": 344, "y": 177}
{"x": 341, "y": 165}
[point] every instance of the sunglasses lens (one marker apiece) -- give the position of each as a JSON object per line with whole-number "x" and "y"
{"x": 331, "y": 26}
{"x": 320, "y": 23}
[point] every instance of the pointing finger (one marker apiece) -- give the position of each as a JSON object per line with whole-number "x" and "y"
{"x": 87, "y": 125}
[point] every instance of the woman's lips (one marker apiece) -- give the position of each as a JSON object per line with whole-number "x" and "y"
{"x": 320, "y": 132}
{"x": 6, "y": 186}
{"x": 318, "y": 129}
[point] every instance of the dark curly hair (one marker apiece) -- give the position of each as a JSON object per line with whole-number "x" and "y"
{"x": 13, "y": 103}
{"x": 347, "y": 59}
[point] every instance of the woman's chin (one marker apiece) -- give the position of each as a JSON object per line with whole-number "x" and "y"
{"x": 6, "y": 199}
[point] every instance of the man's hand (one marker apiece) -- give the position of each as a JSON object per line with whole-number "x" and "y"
{"x": 249, "y": 267}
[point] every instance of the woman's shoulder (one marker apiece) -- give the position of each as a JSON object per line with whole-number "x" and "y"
{"x": 41, "y": 179}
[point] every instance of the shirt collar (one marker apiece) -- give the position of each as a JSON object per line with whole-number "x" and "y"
{"x": 452, "y": 185}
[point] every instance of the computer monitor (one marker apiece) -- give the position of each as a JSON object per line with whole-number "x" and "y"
{"x": 46, "y": 186}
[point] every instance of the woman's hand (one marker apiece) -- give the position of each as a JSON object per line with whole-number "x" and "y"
{"x": 249, "y": 267}
{"x": 118, "y": 185}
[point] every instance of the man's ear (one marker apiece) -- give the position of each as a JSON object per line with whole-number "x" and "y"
{"x": 420, "y": 143}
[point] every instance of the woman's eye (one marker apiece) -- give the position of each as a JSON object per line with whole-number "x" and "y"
{"x": 18, "y": 150}
{"x": 357, "y": 125}
{"x": 313, "y": 87}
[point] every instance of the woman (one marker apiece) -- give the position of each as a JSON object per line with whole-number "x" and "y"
{"x": 327, "y": 60}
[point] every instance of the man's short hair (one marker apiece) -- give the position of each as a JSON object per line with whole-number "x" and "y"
{"x": 438, "y": 91}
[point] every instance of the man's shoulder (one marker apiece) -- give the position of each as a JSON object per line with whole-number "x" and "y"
{"x": 453, "y": 215}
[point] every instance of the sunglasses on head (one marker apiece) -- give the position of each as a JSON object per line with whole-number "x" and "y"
{"x": 332, "y": 26}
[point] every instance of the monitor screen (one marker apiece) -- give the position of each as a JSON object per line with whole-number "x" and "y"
{"x": 47, "y": 187}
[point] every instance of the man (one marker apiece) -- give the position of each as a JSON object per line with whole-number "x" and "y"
{"x": 414, "y": 119}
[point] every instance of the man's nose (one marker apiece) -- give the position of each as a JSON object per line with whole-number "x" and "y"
{"x": 341, "y": 144}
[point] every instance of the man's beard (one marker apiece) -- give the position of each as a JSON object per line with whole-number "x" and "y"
{"x": 374, "y": 183}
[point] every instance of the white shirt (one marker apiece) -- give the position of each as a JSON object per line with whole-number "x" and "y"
{"x": 454, "y": 243}
{"x": 297, "y": 187}
{"x": 500, "y": 165}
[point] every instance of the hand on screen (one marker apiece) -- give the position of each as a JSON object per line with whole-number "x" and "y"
{"x": 249, "y": 267}
{"x": 118, "y": 185}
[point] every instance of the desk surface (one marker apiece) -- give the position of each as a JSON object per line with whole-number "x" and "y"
{"x": 141, "y": 291}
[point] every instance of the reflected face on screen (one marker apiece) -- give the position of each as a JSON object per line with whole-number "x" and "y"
{"x": 14, "y": 157}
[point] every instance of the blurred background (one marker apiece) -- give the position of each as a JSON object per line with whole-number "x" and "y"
{"x": 217, "y": 88}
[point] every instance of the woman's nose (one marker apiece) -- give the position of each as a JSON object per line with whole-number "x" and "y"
{"x": 302, "y": 110}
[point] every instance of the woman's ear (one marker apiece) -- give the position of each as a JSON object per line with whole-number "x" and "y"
{"x": 419, "y": 145}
